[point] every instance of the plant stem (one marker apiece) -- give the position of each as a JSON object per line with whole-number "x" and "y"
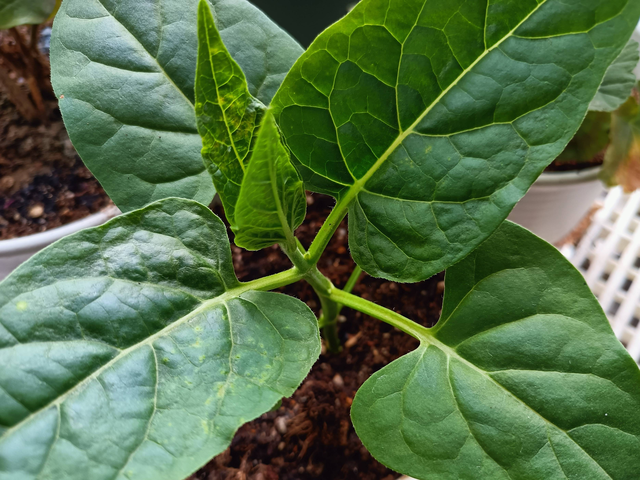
{"x": 392, "y": 318}
{"x": 323, "y": 287}
{"x": 273, "y": 282}
{"x": 353, "y": 281}
{"x": 326, "y": 232}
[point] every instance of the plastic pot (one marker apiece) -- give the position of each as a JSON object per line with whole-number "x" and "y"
{"x": 557, "y": 202}
{"x": 16, "y": 250}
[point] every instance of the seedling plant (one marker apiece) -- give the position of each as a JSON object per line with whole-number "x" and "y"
{"x": 132, "y": 351}
{"x": 32, "y": 66}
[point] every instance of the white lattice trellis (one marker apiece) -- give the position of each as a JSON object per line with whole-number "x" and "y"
{"x": 609, "y": 258}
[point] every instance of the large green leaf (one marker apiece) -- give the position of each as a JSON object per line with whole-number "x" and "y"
{"x": 228, "y": 115}
{"x": 272, "y": 202}
{"x": 124, "y": 72}
{"x": 24, "y": 12}
{"x": 618, "y": 81}
{"x": 431, "y": 119}
{"x": 131, "y": 351}
{"x": 522, "y": 378}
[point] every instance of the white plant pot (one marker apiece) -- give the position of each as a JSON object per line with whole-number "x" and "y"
{"x": 16, "y": 250}
{"x": 557, "y": 202}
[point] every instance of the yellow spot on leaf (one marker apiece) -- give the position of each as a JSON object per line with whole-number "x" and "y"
{"x": 21, "y": 306}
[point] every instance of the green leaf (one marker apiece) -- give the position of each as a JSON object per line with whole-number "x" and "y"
{"x": 431, "y": 119}
{"x": 124, "y": 72}
{"x": 228, "y": 115}
{"x": 24, "y": 12}
{"x": 272, "y": 202}
{"x": 522, "y": 378}
{"x": 131, "y": 351}
{"x": 618, "y": 81}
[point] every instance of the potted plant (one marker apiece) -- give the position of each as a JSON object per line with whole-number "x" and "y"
{"x": 34, "y": 148}
{"x": 132, "y": 350}
{"x": 601, "y": 154}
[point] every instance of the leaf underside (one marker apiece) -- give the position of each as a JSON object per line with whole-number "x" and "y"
{"x": 618, "y": 81}
{"x": 132, "y": 351}
{"x": 228, "y": 115}
{"x": 272, "y": 201}
{"x": 523, "y": 378}
{"x": 432, "y": 119}
{"x": 24, "y": 12}
{"x": 124, "y": 72}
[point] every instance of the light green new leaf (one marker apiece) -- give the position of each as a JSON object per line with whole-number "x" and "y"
{"x": 124, "y": 73}
{"x": 522, "y": 378}
{"x": 24, "y": 12}
{"x": 131, "y": 351}
{"x": 272, "y": 202}
{"x": 618, "y": 81}
{"x": 431, "y": 119}
{"x": 228, "y": 115}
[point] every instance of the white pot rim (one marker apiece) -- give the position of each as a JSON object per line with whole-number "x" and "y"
{"x": 15, "y": 246}
{"x": 569, "y": 177}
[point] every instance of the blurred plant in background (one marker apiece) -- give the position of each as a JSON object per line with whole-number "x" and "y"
{"x": 21, "y": 61}
{"x": 610, "y": 133}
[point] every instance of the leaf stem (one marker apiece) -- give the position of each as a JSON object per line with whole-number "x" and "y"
{"x": 381, "y": 313}
{"x": 326, "y": 232}
{"x": 323, "y": 287}
{"x": 273, "y": 282}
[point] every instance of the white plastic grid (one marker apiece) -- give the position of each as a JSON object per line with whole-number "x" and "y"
{"x": 609, "y": 258}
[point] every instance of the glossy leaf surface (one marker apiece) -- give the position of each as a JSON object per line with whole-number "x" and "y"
{"x": 24, "y": 12}
{"x": 132, "y": 351}
{"x": 522, "y": 378}
{"x": 431, "y": 119}
{"x": 228, "y": 115}
{"x": 124, "y": 72}
{"x": 272, "y": 201}
{"x": 618, "y": 81}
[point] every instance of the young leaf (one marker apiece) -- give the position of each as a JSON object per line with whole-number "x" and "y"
{"x": 124, "y": 73}
{"x": 272, "y": 201}
{"x": 522, "y": 378}
{"x": 431, "y": 119}
{"x": 132, "y": 351}
{"x": 24, "y": 12}
{"x": 227, "y": 113}
{"x": 618, "y": 81}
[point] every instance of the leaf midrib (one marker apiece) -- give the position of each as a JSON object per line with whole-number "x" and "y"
{"x": 220, "y": 300}
{"x": 452, "y": 353}
{"x": 357, "y": 186}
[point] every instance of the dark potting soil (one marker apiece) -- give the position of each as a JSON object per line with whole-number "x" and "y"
{"x": 43, "y": 182}
{"x": 310, "y": 436}
{"x": 568, "y": 165}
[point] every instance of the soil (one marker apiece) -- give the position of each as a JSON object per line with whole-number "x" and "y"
{"x": 570, "y": 166}
{"x": 310, "y": 436}
{"x": 43, "y": 182}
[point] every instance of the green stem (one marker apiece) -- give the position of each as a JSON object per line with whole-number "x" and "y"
{"x": 352, "y": 282}
{"x": 273, "y": 282}
{"x": 323, "y": 287}
{"x": 381, "y": 313}
{"x": 326, "y": 232}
